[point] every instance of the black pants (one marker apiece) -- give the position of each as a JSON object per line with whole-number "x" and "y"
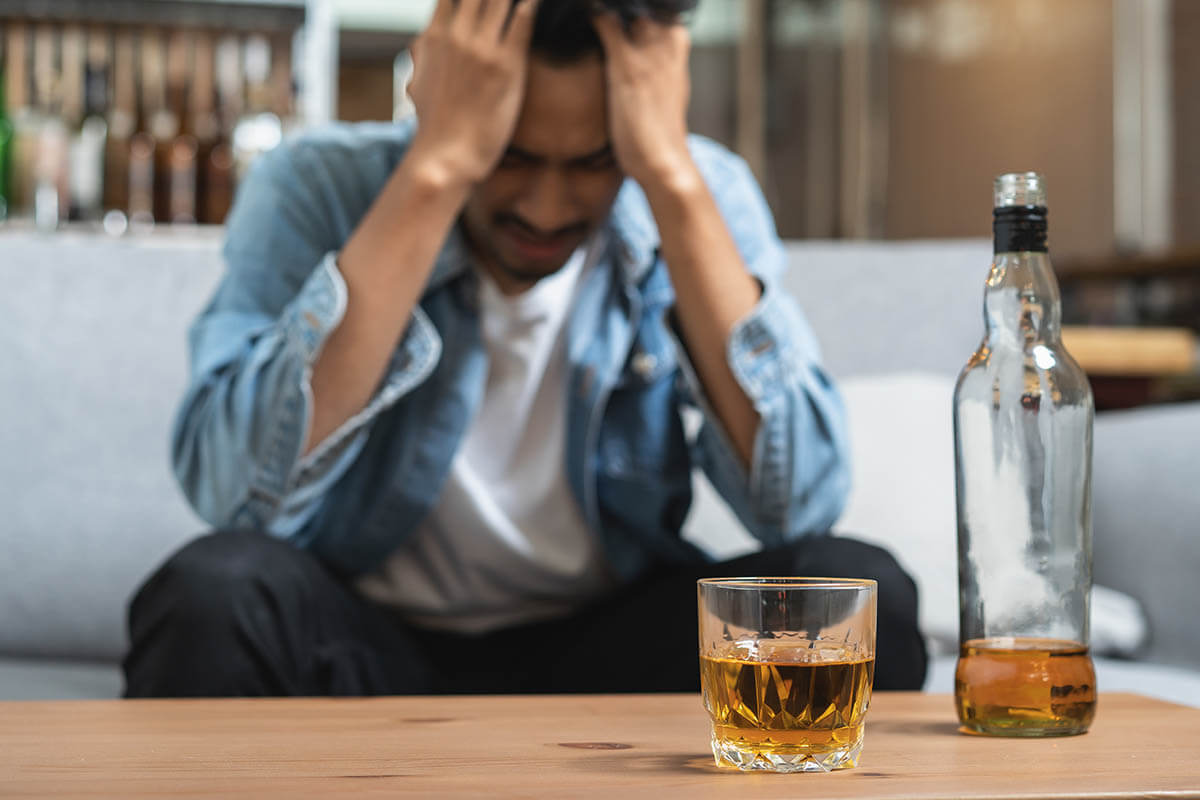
{"x": 242, "y": 614}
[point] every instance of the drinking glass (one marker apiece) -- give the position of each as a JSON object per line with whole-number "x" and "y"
{"x": 786, "y": 666}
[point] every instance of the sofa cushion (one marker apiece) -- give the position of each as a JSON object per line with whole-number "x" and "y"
{"x": 1146, "y": 512}
{"x": 37, "y": 679}
{"x": 93, "y": 336}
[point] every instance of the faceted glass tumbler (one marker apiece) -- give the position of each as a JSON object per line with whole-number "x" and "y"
{"x": 786, "y": 668}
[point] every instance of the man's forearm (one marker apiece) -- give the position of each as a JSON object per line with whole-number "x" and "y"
{"x": 386, "y": 264}
{"x": 713, "y": 291}
{"x": 470, "y": 68}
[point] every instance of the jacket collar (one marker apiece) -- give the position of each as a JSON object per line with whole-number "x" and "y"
{"x": 635, "y": 236}
{"x": 453, "y": 260}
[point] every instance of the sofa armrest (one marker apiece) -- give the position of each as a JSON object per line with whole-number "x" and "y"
{"x": 1146, "y": 521}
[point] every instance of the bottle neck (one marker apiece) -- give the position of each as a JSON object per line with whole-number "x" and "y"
{"x": 1019, "y": 229}
{"x": 1022, "y": 307}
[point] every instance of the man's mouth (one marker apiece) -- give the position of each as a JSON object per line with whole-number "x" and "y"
{"x": 539, "y": 247}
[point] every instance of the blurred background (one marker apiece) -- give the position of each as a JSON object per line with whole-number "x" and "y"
{"x": 876, "y": 128}
{"x": 863, "y": 119}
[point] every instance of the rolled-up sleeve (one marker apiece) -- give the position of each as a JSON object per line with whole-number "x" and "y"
{"x": 240, "y": 429}
{"x": 799, "y": 475}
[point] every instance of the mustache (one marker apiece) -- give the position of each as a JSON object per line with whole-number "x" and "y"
{"x": 533, "y": 232}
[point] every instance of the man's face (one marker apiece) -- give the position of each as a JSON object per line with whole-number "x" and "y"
{"x": 555, "y": 184}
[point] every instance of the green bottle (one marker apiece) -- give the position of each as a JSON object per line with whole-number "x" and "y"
{"x": 5, "y": 139}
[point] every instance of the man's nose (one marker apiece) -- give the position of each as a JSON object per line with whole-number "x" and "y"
{"x": 547, "y": 202}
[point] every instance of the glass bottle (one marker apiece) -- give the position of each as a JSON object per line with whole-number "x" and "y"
{"x": 122, "y": 125}
{"x": 23, "y": 121}
{"x": 83, "y": 84}
{"x": 52, "y": 148}
{"x": 1023, "y": 451}
{"x": 5, "y": 137}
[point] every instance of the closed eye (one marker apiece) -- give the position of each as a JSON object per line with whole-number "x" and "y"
{"x": 516, "y": 159}
{"x": 599, "y": 160}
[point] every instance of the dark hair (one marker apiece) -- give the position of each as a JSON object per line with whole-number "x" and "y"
{"x": 563, "y": 31}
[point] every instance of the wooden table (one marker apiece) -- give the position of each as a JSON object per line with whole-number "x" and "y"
{"x": 558, "y": 746}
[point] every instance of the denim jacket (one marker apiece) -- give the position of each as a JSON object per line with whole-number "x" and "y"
{"x": 629, "y": 454}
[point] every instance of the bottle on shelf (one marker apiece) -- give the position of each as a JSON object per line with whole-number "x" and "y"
{"x": 259, "y": 129}
{"x": 5, "y": 133}
{"x": 83, "y": 57}
{"x": 1023, "y": 451}
{"x": 283, "y": 90}
{"x": 202, "y": 122}
{"x": 52, "y": 143}
{"x": 218, "y": 167}
{"x": 23, "y": 120}
{"x": 160, "y": 120}
{"x": 122, "y": 126}
{"x": 178, "y": 165}
{"x": 154, "y": 125}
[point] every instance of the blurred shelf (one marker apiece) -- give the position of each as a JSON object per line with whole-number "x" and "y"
{"x": 1133, "y": 352}
{"x": 1173, "y": 263}
{"x": 22, "y": 230}
{"x": 258, "y": 15}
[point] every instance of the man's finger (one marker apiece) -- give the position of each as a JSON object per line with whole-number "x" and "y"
{"x": 520, "y": 25}
{"x": 443, "y": 12}
{"x": 608, "y": 27}
{"x": 467, "y": 15}
{"x": 643, "y": 30}
{"x": 495, "y": 13}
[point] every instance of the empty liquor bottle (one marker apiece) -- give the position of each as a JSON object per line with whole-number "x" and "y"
{"x": 1023, "y": 445}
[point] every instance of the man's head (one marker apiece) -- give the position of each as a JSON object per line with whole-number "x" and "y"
{"x": 563, "y": 33}
{"x": 558, "y": 178}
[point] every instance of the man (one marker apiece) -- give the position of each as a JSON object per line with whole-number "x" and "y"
{"x": 437, "y": 403}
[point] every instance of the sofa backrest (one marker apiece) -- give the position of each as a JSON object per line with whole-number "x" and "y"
{"x": 92, "y": 362}
{"x": 879, "y": 307}
{"x": 93, "y": 337}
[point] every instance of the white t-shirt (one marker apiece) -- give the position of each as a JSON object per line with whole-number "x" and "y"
{"x": 506, "y": 542}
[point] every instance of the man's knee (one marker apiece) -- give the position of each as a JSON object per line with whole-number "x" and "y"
{"x": 901, "y": 657}
{"x": 204, "y": 582}
{"x": 202, "y": 622}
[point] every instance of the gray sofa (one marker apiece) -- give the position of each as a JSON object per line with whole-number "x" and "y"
{"x": 92, "y": 361}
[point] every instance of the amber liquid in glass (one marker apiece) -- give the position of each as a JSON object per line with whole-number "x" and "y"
{"x": 788, "y": 701}
{"x": 1025, "y": 687}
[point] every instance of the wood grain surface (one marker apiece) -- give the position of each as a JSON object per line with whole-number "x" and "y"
{"x": 558, "y": 746}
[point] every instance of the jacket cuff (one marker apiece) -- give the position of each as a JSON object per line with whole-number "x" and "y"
{"x": 316, "y": 311}
{"x": 319, "y": 308}
{"x": 769, "y": 352}
{"x": 767, "y": 346}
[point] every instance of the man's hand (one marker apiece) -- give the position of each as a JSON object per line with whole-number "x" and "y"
{"x": 468, "y": 84}
{"x": 648, "y": 92}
